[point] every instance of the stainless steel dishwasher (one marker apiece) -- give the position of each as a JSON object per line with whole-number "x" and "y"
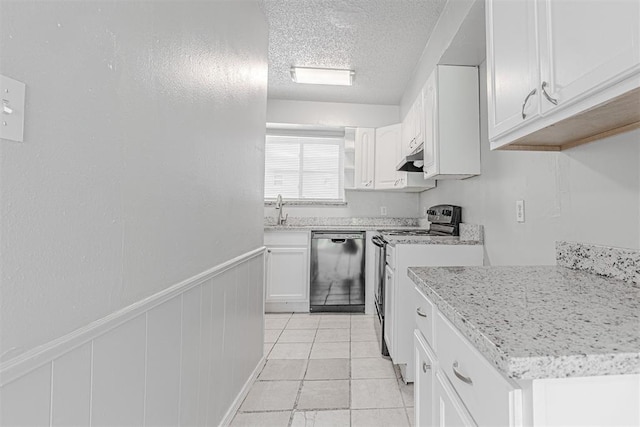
{"x": 337, "y": 271}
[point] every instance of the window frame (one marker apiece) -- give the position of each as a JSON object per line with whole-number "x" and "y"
{"x": 303, "y": 139}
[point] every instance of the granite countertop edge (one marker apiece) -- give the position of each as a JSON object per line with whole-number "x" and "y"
{"x": 339, "y": 227}
{"x": 532, "y": 367}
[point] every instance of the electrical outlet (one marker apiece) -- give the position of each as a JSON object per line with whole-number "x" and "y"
{"x": 520, "y": 210}
{"x": 383, "y": 210}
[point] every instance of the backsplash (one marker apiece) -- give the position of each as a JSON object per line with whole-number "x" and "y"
{"x": 471, "y": 232}
{"x": 346, "y": 221}
{"x": 623, "y": 264}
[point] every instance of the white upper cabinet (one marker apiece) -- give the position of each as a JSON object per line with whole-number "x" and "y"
{"x": 413, "y": 127}
{"x": 512, "y": 64}
{"x": 585, "y": 44}
{"x": 365, "y": 158}
{"x": 388, "y": 148}
{"x": 451, "y": 123}
{"x": 389, "y": 151}
{"x": 561, "y": 72}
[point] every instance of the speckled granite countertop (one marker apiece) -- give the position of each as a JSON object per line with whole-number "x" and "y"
{"x": 343, "y": 223}
{"x": 428, "y": 240}
{"x": 540, "y": 322}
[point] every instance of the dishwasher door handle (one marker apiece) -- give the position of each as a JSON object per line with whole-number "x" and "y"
{"x": 340, "y": 241}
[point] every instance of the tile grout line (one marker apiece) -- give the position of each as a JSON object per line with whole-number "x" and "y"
{"x": 404, "y": 408}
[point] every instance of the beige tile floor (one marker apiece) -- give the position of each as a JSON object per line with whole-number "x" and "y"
{"x": 325, "y": 370}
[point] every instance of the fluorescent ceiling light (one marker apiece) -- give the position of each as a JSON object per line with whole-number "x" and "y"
{"x": 322, "y": 76}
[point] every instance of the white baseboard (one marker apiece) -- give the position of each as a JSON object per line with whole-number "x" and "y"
{"x": 286, "y": 307}
{"x": 231, "y": 412}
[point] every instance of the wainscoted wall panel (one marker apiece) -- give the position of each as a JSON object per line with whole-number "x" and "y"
{"x": 118, "y": 388}
{"x": 185, "y": 356}
{"x": 27, "y": 400}
{"x": 71, "y": 394}
{"x": 206, "y": 326}
{"x": 163, "y": 364}
{"x": 190, "y": 366}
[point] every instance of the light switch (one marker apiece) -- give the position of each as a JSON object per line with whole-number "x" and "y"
{"x": 12, "y": 95}
{"x": 520, "y": 210}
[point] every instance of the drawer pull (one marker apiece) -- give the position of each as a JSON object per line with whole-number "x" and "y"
{"x": 420, "y": 313}
{"x": 425, "y": 367}
{"x": 460, "y": 376}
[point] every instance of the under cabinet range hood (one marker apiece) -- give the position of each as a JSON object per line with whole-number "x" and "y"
{"x": 412, "y": 162}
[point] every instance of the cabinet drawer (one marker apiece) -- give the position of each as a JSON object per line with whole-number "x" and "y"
{"x": 424, "y": 317}
{"x": 490, "y": 397}
{"x": 286, "y": 238}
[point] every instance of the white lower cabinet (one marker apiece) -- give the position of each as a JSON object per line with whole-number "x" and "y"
{"x": 457, "y": 386}
{"x": 287, "y": 271}
{"x": 451, "y": 411}
{"x": 400, "y": 306}
{"x": 423, "y": 389}
{"x": 389, "y": 307}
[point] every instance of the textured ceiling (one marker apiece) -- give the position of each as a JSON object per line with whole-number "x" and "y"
{"x": 381, "y": 40}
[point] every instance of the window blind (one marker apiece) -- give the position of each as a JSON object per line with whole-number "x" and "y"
{"x": 304, "y": 168}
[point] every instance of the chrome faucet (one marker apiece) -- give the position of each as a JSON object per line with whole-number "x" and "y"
{"x": 282, "y": 219}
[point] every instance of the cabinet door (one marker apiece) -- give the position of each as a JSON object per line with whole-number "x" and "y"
{"x": 388, "y": 149}
{"x": 424, "y": 403}
{"x": 585, "y": 45}
{"x": 451, "y": 412}
{"x": 407, "y": 132}
{"x": 389, "y": 301}
{"x": 430, "y": 126}
{"x": 418, "y": 122}
{"x": 287, "y": 275}
{"x": 365, "y": 158}
{"x": 512, "y": 64}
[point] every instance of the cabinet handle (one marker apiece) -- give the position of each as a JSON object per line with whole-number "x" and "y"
{"x": 420, "y": 313}
{"x": 461, "y": 377}
{"x": 546, "y": 95}
{"x": 524, "y": 104}
{"x": 268, "y": 251}
{"x": 425, "y": 367}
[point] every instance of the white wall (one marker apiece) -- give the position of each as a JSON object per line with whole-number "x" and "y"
{"x": 451, "y": 19}
{"x": 331, "y": 113}
{"x": 589, "y": 193}
{"x": 359, "y": 204}
{"x": 124, "y": 186}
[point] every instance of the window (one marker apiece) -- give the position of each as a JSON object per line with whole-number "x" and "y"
{"x": 304, "y": 168}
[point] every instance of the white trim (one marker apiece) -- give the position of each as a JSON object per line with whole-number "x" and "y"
{"x": 287, "y": 307}
{"x": 46, "y": 353}
{"x": 231, "y": 412}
